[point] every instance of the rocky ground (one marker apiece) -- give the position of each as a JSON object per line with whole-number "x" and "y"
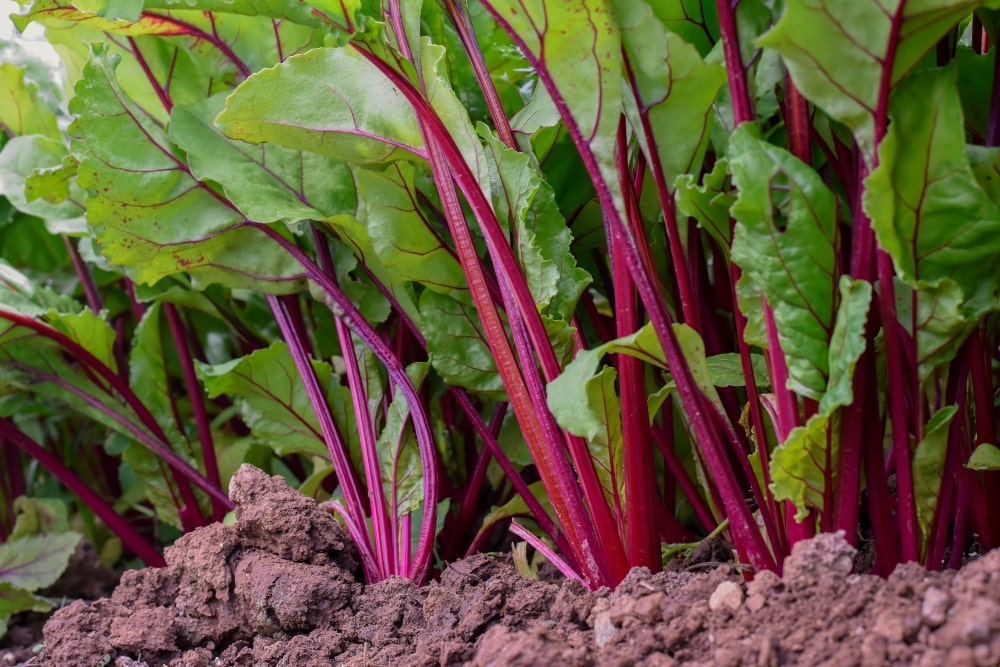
{"x": 281, "y": 588}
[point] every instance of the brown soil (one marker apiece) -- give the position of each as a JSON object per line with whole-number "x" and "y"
{"x": 280, "y": 589}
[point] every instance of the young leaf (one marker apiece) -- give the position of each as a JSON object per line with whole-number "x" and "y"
{"x": 344, "y": 108}
{"x": 402, "y": 473}
{"x": 928, "y": 466}
{"x": 20, "y": 162}
{"x": 542, "y": 238}
{"x": 985, "y": 457}
{"x": 847, "y": 343}
{"x": 804, "y": 466}
{"x": 786, "y": 243}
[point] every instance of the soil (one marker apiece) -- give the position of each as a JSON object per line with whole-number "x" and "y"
{"x": 281, "y": 588}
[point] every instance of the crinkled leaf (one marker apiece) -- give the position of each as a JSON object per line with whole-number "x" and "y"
{"x": 985, "y": 457}
{"x": 344, "y": 108}
{"x": 673, "y": 88}
{"x": 709, "y": 202}
{"x": 942, "y": 321}
{"x": 404, "y": 238}
{"x": 22, "y": 109}
{"x": 785, "y": 242}
{"x": 272, "y": 398}
{"x": 803, "y": 466}
{"x": 847, "y": 343}
{"x": 53, "y": 184}
{"x": 34, "y": 562}
{"x": 456, "y": 346}
{"x": 837, "y": 51}
{"x": 266, "y": 182}
{"x": 149, "y": 213}
{"x": 543, "y": 240}
{"x": 928, "y": 466}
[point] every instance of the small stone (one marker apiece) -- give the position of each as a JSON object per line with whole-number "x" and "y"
{"x": 604, "y": 629}
{"x": 648, "y": 608}
{"x": 934, "y": 610}
{"x": 729, "y": 595}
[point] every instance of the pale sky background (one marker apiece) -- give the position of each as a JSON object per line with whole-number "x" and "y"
{"x": 32, "y": 39}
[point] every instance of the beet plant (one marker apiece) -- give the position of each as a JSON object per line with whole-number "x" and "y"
{"x": 615, "y": 273}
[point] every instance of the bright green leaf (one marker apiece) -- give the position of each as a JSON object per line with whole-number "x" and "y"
{"x": 344, "y": 108}
{"x": 805, "y": 463}
{"x": 22, "y": 109}
{"x": 266, "y": 182}
{"x": 786, "y": 243}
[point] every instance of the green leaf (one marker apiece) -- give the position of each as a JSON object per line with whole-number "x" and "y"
{"x": 695, "y": 20}
{"x": 266, "y": 182}
{"x": 985, "y": 164}
{"x": 805, "y": 463}
{"x": 21, "y": 162}
{"x": 847, "y": 342}
{"x": 402, "y": 473}
{"x": 22, "y": 109}
{"x": 149, "y": 214}
{"x": 148, "y": 375}
{"x": 344, "y": 108}
{"x": 786, "y": 243}
{"x": 836, "y": 51}
{"x": 578, "y": 46}
{"x": 673, "y": 87}
{"x": 522, "y": 197}
{"x": 272, "y": 399}
{"x": 973, "y": 70}
{"x": 709, "y": 202}
{"x": 932, "y": 217}
{"x": 39, "y": 515}
{"x": 34, "y": 562}
{"x": 926, "y": 207}
{"x": 402, "y": 235}
{"x": 456, "y": 345}
{"x": 985, "y": 457}
{"x": 928, "y": 466}
{"x": 15, "y": 600}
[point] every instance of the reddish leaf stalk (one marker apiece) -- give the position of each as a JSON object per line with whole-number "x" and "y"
{"x": 331, "y": 434}
{"x": 342, "y": 308}
{"x": 130, "y": 538}
{"x": 183, "y": 472}
{"x": 202, "y": 421}
{"x": 640, "y": 484}
{"x": 711, "y": 440}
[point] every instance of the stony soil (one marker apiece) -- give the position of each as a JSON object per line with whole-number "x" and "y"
{"x": 280, "y": 588}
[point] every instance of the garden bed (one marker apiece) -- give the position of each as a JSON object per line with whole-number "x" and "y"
{"x": 281, "y": 587}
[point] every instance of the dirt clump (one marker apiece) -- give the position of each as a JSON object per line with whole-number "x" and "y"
{"x": 280, "y": 588}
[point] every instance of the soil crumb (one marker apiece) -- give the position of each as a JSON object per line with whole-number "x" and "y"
{"x": 280, "y": 588}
